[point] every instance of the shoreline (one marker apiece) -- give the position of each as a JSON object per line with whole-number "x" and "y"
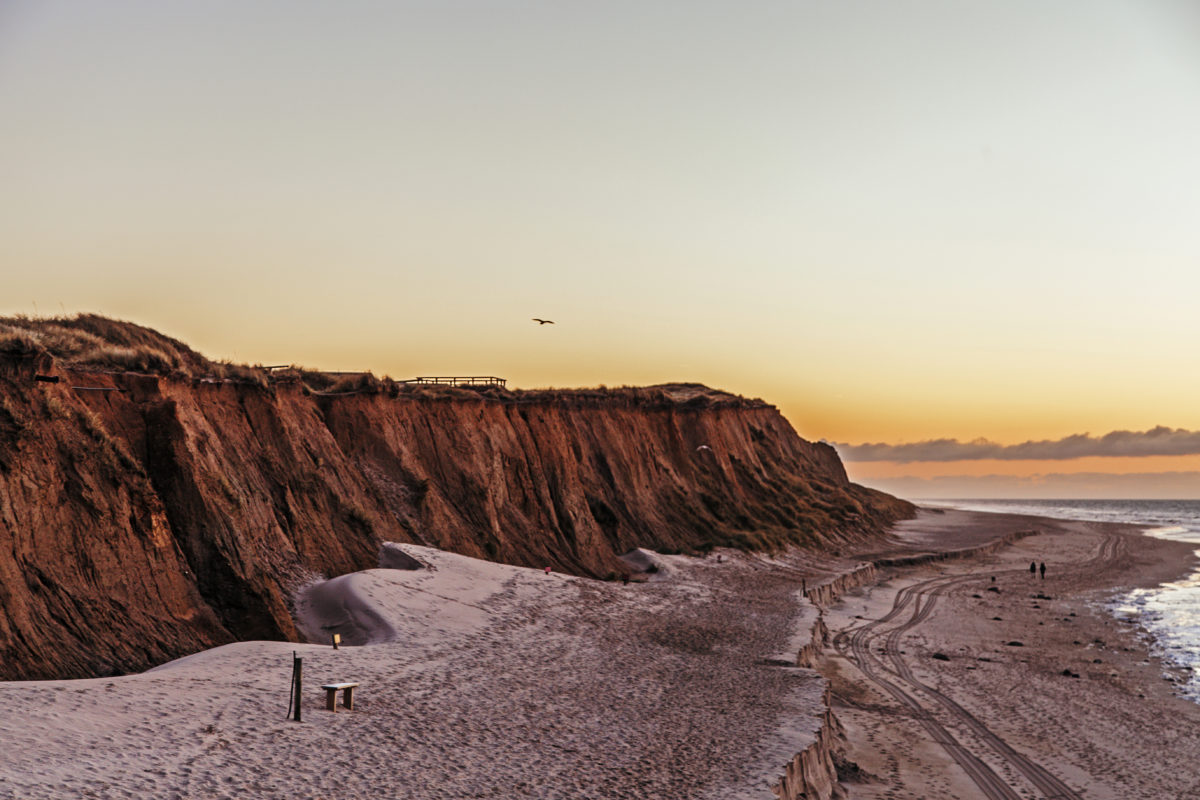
{"x": 492, "y": 680}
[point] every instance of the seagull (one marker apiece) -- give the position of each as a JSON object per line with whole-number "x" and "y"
{"x": 543, "y": 321}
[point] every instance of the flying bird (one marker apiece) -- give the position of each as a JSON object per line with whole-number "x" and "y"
{"x": 543, "y": 321}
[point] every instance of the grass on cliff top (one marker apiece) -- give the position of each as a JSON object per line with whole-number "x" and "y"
{"x": 94, "y": 342}
{"x": 691, "y": 396}
{"x": 90, "y": 341}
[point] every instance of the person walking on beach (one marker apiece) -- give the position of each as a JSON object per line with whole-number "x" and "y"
{"x": 1043, "y": 570}
{"x": 1033, "y": 568}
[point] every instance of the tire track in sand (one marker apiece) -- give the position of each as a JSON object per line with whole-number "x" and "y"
{"x": 855, "y": 643}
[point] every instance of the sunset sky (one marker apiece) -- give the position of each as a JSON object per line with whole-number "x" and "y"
{"x": 897, "y": 221}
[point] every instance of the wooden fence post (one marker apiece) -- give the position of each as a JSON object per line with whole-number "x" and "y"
{"x": 298, "y": 671}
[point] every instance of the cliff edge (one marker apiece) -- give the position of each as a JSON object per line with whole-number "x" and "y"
{"x": 154, "y": 503}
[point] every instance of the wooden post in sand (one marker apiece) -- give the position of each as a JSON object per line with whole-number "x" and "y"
{"x": 298, "y": 682}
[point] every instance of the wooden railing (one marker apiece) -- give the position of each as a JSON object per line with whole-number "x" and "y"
{"x": 460, "y": 380}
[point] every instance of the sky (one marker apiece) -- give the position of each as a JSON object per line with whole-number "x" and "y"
{"x": 900, "y": 222}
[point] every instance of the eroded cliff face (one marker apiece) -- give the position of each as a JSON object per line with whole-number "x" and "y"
{"x": 143, "y": 517}
{"x": 572, "y": 480}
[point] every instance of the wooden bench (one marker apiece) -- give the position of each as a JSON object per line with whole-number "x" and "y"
{"x": 331, "y": 690}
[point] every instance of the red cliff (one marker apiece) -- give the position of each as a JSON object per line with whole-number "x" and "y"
{"x": 153, "y": 503}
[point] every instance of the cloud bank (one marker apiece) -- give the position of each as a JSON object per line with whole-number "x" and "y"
{"x": 1159, "y": 441}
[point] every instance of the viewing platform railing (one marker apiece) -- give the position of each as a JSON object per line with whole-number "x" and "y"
{"x": 460, "y": 380}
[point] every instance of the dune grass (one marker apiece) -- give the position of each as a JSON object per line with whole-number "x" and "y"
{"x": 94, "y": 342}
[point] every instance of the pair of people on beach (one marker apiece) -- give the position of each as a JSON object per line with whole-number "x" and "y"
{"x": 1033, "y": 568}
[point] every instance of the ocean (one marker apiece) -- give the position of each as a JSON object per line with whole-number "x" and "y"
{"x": 1170, "y": 613}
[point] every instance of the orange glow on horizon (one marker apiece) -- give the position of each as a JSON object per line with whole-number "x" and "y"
{"x": 875, "y": 470}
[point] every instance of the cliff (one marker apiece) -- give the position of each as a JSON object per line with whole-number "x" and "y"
{"x": 154, "y": 503}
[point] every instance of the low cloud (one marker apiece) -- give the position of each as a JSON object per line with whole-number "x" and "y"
{"x": 1160, "y": 441}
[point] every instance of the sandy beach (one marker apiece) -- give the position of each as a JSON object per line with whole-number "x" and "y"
{"x": 946, "y": 680}
{"x": 484, "y": 680}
